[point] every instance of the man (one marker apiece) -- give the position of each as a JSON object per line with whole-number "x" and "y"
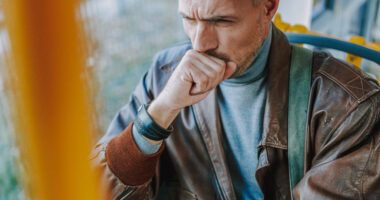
{"x": 209, "y": 119}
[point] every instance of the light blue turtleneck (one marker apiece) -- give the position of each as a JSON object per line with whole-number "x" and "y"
{"x": 242, "y": 106}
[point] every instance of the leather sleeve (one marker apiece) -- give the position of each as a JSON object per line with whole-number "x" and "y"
{"x": 346, "y": 153}
{"x": 128, "y": 162}
{"x": 126, "y": 172}
{"x": 113, "y": 186}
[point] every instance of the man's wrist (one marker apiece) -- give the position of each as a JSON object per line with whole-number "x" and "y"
{"x": 162, "y": 113}
{"x": 147, "y": 127}
{"x": 146, "y": 145}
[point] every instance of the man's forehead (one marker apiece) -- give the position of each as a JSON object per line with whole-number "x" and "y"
{"x": 207, "y": 8}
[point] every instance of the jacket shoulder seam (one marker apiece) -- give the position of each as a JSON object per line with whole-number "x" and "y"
{"x": 336, "y": 81}
{"x": 359, "y": 82}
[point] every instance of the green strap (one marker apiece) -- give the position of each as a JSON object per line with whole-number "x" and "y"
{"x": 299, "y": 89}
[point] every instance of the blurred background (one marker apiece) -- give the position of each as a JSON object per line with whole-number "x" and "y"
{"x": 123, "y": 36}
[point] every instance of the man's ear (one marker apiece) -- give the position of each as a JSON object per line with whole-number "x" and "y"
{"x": 270, "y": 8}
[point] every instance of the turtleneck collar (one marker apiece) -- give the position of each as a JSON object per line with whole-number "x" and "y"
{"x": 257, "y": 69}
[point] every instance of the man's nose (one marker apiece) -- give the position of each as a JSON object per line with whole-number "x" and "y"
{"x": 205, "y": 38}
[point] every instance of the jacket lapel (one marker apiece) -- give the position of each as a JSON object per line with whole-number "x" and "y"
{"x": 272, "y": 169}
{"x": 207, "y": 116}
{"x": 276, "y": 112}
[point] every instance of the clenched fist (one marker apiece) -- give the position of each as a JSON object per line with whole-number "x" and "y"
{"x": 195, "y": 76}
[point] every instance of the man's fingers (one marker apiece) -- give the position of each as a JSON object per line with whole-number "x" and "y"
{"x": 204, "y": 72}
{"x": 186, "y": 78}
{"x": 199, "y": 80}
{"x": 194, "y": 92}
{"x": 230, "y": 69}
{"x": 216, "y": 60}
{"x": 207, "y": 66}
{"x": 222, "y": 67}
{"x": 219, "y": 65}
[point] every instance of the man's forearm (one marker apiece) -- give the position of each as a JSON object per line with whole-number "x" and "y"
{"x": 162, "y": 114}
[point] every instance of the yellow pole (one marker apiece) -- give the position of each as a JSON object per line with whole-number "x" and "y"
{"x": 51, "y": 99}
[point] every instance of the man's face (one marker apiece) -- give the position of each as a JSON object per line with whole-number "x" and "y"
{"x": 232, "y": 30}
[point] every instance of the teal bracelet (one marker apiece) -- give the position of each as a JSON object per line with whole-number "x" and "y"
{"x": 148, "y": 128}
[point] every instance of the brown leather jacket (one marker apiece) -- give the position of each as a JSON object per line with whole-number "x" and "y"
{"x": 342, "y": 157}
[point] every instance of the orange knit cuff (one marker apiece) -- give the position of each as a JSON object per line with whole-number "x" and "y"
{"x": 127, "y": 162}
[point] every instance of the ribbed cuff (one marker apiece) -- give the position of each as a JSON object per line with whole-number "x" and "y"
{"x": 127, "y": 162}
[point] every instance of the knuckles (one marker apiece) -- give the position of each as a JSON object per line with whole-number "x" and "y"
{"x": 190, "y": 54}
{"x": 209, "y": 79}
{"x": 205, "y": 83}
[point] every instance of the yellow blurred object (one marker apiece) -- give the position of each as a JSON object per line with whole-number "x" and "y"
{"x": 298, "y": 29}
{"x": 53, "y": 108}
{"x": 356, "y": 60}
{"x": 374, "y": 46}
{"x": 283, "y": 26}
{"x": 286, "y": 27}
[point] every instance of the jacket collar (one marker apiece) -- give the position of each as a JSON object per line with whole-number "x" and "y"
{"x": 276, "y": 111}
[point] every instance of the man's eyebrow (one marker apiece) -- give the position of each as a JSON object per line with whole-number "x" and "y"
{"x": 212, "y": 18}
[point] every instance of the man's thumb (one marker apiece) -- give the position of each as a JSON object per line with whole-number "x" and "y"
{"x": 230, "y": 69}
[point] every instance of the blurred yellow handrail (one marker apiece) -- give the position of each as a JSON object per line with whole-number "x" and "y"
{"x": 52, "y": 102}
